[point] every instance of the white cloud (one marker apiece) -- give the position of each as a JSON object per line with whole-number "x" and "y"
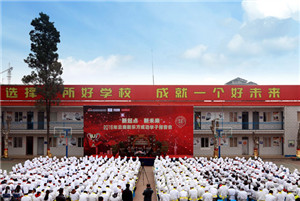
{"x": 281, "y": 9}
{"x": 281, "y": 44}
{"x": 195, "y": 52}
{"x": 269, "y": 28}
{"x": 240, "y": 46}
{"x": 201, "y": 54}
{"x": 93, "y": 70}
{"x": 210, "y": 58}
{"x": 100, "y": 63}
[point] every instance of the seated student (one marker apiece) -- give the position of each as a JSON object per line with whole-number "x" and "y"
{"x": 17, "y": 194}
{"x": 6, "y": 194}
{"x": 232, "y": 193}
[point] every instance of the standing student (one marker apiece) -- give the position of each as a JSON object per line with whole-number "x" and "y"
{"x": 60, "y": 196}
{"x": 127, "y": 194}
{"x": 47, "y": 196}
{"x": 148, "y": 193}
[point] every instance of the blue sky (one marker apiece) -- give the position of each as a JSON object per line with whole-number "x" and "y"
{"x": 191, "y": 42}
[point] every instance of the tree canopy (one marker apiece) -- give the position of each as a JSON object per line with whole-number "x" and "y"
{"x": 43, "y": 59}
{"x": 46, "y": 70}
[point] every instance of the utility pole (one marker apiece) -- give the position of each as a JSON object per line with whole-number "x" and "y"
{"x": 256, "y": 143}
{"x": 214, "y": 128}
{"x": 6, "y": 133}
{"x": 298, "y": 144}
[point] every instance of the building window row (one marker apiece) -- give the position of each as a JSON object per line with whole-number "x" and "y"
{"x": 240, "y": 120}
{"x": 18, "y": 142}
{"x": 206, "y": 142}
{"x": 66, "y": 116}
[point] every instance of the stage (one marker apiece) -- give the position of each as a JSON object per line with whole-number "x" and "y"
{"x": 146, "y": 161}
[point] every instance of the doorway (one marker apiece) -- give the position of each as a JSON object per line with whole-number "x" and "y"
{"x": 29, "y": 120}
{"x": 2, "y": 118}
{"x": 282, "y": 120}
{"x": 41, "y": 120}
{"x": 29, "y": 145}
{"x": 245, "y": 120}
{"x": 245, "y": 146}
{"x": 282, "y": 146}
{"x": 255, "y": 120}
{"x": 40, "y": 146}
{"x": 2, "y": 145}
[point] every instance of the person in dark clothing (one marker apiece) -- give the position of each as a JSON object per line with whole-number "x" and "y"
{"x": 127, "y": 194}
{"x": 61, "y": 196}
{"x": 148, "y": 193}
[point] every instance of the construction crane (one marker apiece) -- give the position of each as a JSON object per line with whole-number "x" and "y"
{"x": 10, "y": 68}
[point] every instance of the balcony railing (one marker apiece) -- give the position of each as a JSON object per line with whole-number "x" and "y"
{"x": 243, "y": 125}
{"x": 43, "y": 125}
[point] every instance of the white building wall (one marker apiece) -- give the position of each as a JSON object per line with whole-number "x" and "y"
{"x": 291, "y": 126}
{"x": 273, "y": 150}
{"x": 233, "y": 151}
{"x": 21, "y": 127}
{"x": 57, "y": 151}
{"x": 12, "y": 151}
{"x": 205, "y": 124}
{"x": 265, "y": 130}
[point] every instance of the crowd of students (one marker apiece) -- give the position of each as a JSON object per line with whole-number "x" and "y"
{"x": 76, "y": 179}
{"x": 183, "y": 179}
{"x": 236, "y": 178}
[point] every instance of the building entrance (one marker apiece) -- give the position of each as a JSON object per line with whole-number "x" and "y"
{"x": 29, "y": 145}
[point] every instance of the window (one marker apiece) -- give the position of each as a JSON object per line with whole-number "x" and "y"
{"x": 267, "y": 141}
{"x": 197, "y": 120}
{"x": 233, "y": 142}
{"x": 18, "y": 142}
{"x": 53, "y": 116}
{"x": 298, "y": 116}
{"x": 275, "y": 116}
{"x": 2, "y": 118}
{"x": 232, "y": 116}
{"x": 80, "y": 142}
{"x": 267, "y": 116}
{"x": 52, "y": 142}
{"x": 18, "y": 116}
{"x": 204, "y": 142}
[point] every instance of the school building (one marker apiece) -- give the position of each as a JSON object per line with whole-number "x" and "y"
{"x": 269, "y": 112}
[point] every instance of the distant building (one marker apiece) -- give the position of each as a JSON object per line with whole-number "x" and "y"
{"x": 240, "y": 81}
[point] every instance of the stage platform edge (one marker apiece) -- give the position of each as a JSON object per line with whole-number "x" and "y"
{"x": 146, "y": 161}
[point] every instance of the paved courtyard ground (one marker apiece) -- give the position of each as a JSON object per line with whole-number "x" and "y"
{"x": 147, "y": 174}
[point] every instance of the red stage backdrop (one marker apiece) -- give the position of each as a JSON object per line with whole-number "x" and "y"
{"x": 128, "y": 129}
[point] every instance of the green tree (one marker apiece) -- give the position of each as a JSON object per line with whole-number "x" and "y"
{"x": 46, "y": 70}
